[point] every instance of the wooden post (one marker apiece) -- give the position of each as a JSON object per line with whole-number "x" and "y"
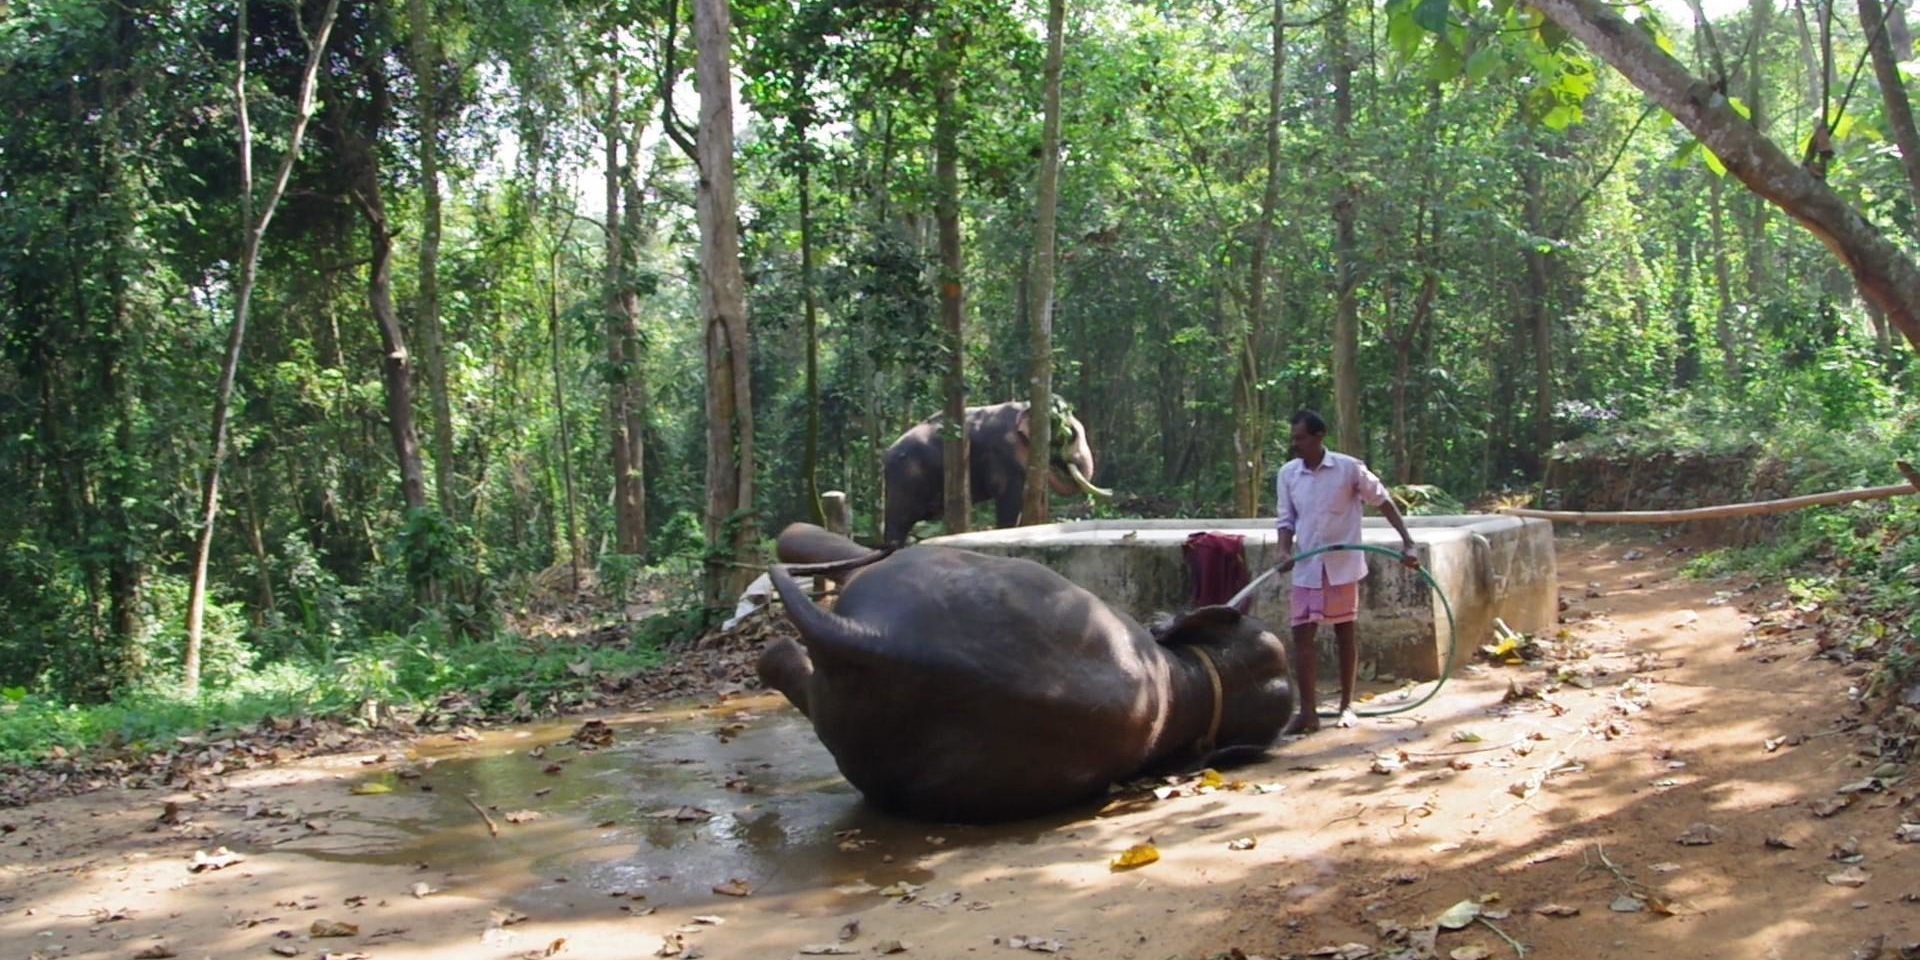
{"x": 839, "y": 514}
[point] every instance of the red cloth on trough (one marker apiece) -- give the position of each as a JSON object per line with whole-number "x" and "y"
{"x": 1216, "y": 566}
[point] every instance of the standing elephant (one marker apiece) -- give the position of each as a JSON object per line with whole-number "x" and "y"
{"x": 955, "y": 686}
{"x": 998, "y": 436}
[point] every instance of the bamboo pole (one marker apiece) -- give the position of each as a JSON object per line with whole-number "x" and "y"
{"x": 1730, "y": 511}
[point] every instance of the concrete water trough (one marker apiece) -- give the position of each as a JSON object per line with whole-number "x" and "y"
{"x": 1490, "y": 567}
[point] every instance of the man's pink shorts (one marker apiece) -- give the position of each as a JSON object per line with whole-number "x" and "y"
{"x": 1326, "y": 604}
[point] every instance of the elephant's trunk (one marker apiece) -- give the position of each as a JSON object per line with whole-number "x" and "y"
{"x": 1086, "y": 486}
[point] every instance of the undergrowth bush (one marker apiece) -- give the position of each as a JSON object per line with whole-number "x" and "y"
{"x": 1864, "y": 556}
{"x": 501, "y": 674}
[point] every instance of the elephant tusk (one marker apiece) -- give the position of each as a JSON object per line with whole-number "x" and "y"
{"x": 1086, "y": 486}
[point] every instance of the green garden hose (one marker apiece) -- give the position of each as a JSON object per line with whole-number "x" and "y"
{"x": 1446, "y": 666}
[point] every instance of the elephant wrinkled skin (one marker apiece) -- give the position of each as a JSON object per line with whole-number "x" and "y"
{"x": 955, "y": 686}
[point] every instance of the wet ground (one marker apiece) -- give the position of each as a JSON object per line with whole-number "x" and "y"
{"x": 642, "y": 847}
{"x": 679, "y": 804}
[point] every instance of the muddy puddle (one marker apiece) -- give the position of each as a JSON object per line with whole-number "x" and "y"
{"x": 680, "y": 803}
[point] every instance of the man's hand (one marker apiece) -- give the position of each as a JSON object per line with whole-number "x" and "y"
{"x": 1285, "y": 562}
{"x": 1407, "y": 559}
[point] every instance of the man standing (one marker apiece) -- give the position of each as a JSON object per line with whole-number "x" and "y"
{"x": 1318, "y": 497}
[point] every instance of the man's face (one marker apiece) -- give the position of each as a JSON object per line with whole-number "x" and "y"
{"x": 1305, "y": 443}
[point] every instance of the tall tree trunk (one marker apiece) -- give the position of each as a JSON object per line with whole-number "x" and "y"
{"x": 254, "y": 227}
{"x": 810, "y": 464}
{"x": 1884, "y": 274}
{"x": 1755, "y": 221}
{"x": 1424, "y": 252}
{"x": 396, "y": 364}
{"x": 1893, "y": 92}
{"x": 426, "y": 75}
{"x": 1348, "y": 431}
{"x": 1040, "y": 300}
{"x": 1722, "y": 281}
{"x": 732, "y": 532}
{"x": 634, "y": 228}
{"x": 257, "y": 542}
{"x": 1249, "y": 413}
{"x": 1539, "y": 318}
{"x": 560, "y": 404}
{"x": 1686, "y": 367}
{"x": 628, "y": 496}
{"x": 946, "y": 192}
{"x": 126, "y": 660}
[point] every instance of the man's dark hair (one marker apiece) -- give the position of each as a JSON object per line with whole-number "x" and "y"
{"x": 1311, "y": 421}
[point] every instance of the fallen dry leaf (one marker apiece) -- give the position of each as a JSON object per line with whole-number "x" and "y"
{"x": 889, "y": 947}
{"x": 1850, "y": 877}
{"x": 1626, "y": 904}
{"x": 735, "y": 887}
{"x": 1556, "y": 910}
{"x": 902, "y": 889}
{"x": 1698, "y": 835}
{"x": 1242, "y": 843}
{"x": 559, "y": 944}
{"x": 158, "y": 951}
{"x": 1345, "y": 951}
{"x": 220, "y": 859}
{"x": 333, "y": 928}
{"x": 1036, "y": 944}
{"x": 283, "y": 950}
{"x": 1470, "y": 953}
{"x": 849, "y": 931}
{"x": 523, "y": 816}
{"x": 420, "y": 890}
{"x": 827, "y": 950}
{"x": 672, "y": 945}
{"x": 1459, "y": 915}
{"x": 1832, "y": 805}
{"x": 708, "y": 920}
{"x": 1135, "y": 857}
{"x": 371, "y": 789}
{"x": 683, "y": 815}
{"x": 1782, "y": 843}
{"x": 349, "y": 955}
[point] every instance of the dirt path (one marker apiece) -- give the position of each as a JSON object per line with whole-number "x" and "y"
{"x": 1671, "y": 734}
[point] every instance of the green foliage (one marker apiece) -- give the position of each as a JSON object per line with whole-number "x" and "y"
{"x": 1676, "y": 310}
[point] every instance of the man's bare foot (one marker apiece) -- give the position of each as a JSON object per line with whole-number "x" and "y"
{"x": 1302, "y": 725}
{"x": 1347, "y": 718}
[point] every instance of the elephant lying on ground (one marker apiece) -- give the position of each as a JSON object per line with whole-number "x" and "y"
{"x": 954, "y": 686}
{"x": 996, "y": 464}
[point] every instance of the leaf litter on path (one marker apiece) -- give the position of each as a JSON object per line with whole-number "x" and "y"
{"x": 1036, "y": 944}
{"x": 1698, "y": 835}
{"x": 333, "y": 928}
{"x": 1136, "y": 856}
{"x": 220, "y": 859}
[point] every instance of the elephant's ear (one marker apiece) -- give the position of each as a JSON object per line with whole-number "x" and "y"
{"x": 1205, "y": 625}
{"x": 1024, "y": 426}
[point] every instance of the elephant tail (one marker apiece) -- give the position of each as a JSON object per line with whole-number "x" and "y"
{"x": 825, "y": 634}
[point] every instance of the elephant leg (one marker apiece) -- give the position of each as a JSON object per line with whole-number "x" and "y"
{"x": 784, "y": 666}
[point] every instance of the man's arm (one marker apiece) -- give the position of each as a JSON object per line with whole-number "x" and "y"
{"x": 1285, "y": 518}
{"x": 1371, "y": 490}
{"x": 1392, "y": 513}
